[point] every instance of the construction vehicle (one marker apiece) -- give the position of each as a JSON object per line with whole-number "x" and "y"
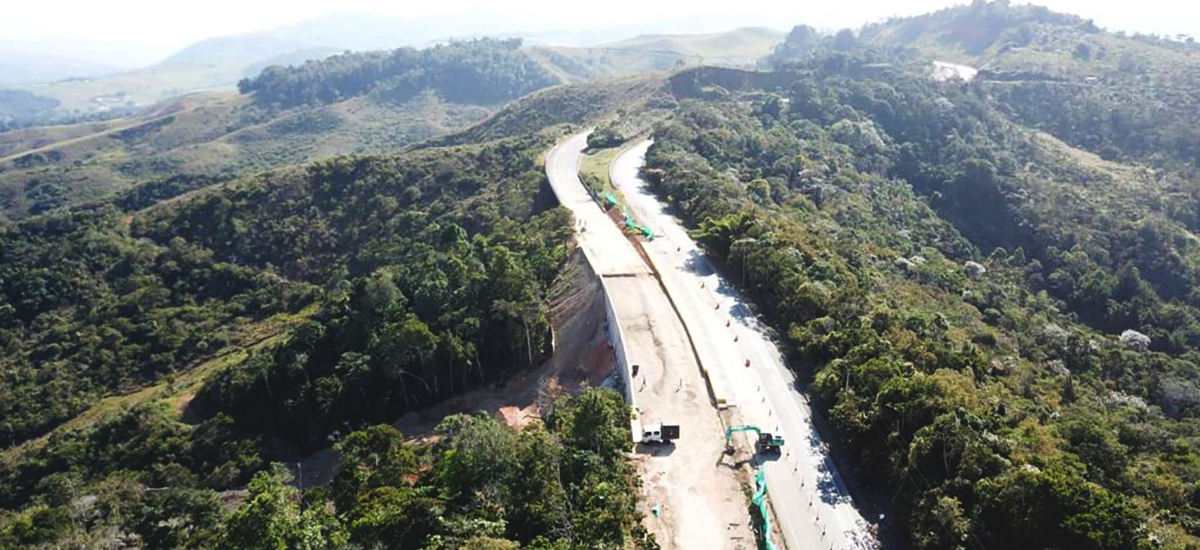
{"x": 631, "y": 223}
{"x": 660, "y": 433}
{"x": 766, "y": 443}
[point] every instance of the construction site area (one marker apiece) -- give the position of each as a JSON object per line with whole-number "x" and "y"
{"x": 728, "y": 454}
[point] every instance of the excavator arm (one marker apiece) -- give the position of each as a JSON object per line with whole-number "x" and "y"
{"x": 764, "y": 440}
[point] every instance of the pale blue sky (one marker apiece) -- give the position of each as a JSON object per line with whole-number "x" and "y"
{"x": 133, "y": 32}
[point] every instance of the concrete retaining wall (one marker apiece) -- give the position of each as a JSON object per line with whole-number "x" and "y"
{"x": 616, "y": 337}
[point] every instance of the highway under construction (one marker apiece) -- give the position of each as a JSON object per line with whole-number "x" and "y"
{"x": 704, "y": 361}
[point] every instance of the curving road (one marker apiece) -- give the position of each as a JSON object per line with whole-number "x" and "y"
{"x": 811, "y": 505}
{"x": 692, "y": 495}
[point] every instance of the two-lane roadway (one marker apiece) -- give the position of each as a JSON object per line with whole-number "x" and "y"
{"x": 811, "y": 505}
{"x": 693, "y": 497}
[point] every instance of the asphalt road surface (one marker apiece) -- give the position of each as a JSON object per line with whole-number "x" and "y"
{"x": 811, "y": 505}
{"x": 692, "y": 496}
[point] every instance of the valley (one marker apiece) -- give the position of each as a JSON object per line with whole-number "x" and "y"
{"x": 925, "y": 283}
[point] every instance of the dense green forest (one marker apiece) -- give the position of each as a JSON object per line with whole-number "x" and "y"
{"x": 564, "y": 483}
{"x": 89, "y": 310}
{"x": 479, "y": 71}
{"x": 121, "y": 299}
{"x": 433, "y": 269}
{"x": 1005, "y": 321}
{"x": 95, "y": 301}
{"x": 330, "y": 296}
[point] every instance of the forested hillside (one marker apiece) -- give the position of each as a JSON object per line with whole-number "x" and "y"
{"x": 552, "y": 486}
{"x": 484, "y": 71}
{"x": 277, "y": 312}
{"x": 200, "y": 318}
{"x": 1121, "y": 96}
{"x": 433, "y": 267}
{"x": 998, "y": 322}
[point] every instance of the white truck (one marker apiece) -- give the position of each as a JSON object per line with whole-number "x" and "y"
{"x": 660, "y": 433}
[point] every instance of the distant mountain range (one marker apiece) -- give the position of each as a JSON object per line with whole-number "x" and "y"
{"x": 83, "y": 91}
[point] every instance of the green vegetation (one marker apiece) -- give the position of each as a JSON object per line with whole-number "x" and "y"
{"x": 416, "y": 307}
{"x": 643, "y": 98}
{"x": 200, "y": 319}
{"x": 558, "y": 485}
{"x": 565, "y": 484}
{"x": 361, "y": 103}
{"x": 88, "y": 309}
{"x": 428, "y": 271}
{"x": 989, "y": 288}
{"x": 997, "y": 325}
{"x": 1122, "y": 97}
{"x": 483, "y": 71}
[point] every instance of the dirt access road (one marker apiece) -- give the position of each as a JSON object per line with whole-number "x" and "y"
{"x": 811, "y": 505}
{"x": 693, "y": 485}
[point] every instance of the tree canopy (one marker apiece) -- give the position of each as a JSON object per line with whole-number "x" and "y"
{"x": 481, "y": 71}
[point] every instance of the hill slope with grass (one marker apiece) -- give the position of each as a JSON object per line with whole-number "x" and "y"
{"x": 743, "y": 47}
{"x": 343, "y": 105}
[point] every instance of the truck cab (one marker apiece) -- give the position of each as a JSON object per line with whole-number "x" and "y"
{"x": 768, "y": 443}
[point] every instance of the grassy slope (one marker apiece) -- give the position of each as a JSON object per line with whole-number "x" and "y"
{"x": 16, "y": 141}
{"x": 139, "y": 88}
{"x": 744, "y": 45}
{"x": 205, "y": 134}
{"x": 1048, "y": 50}
{"x": 739, "y": 47}
{"x": 150, "y": 85}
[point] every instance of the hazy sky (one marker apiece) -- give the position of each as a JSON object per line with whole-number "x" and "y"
{"x": 133, "y": 32}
